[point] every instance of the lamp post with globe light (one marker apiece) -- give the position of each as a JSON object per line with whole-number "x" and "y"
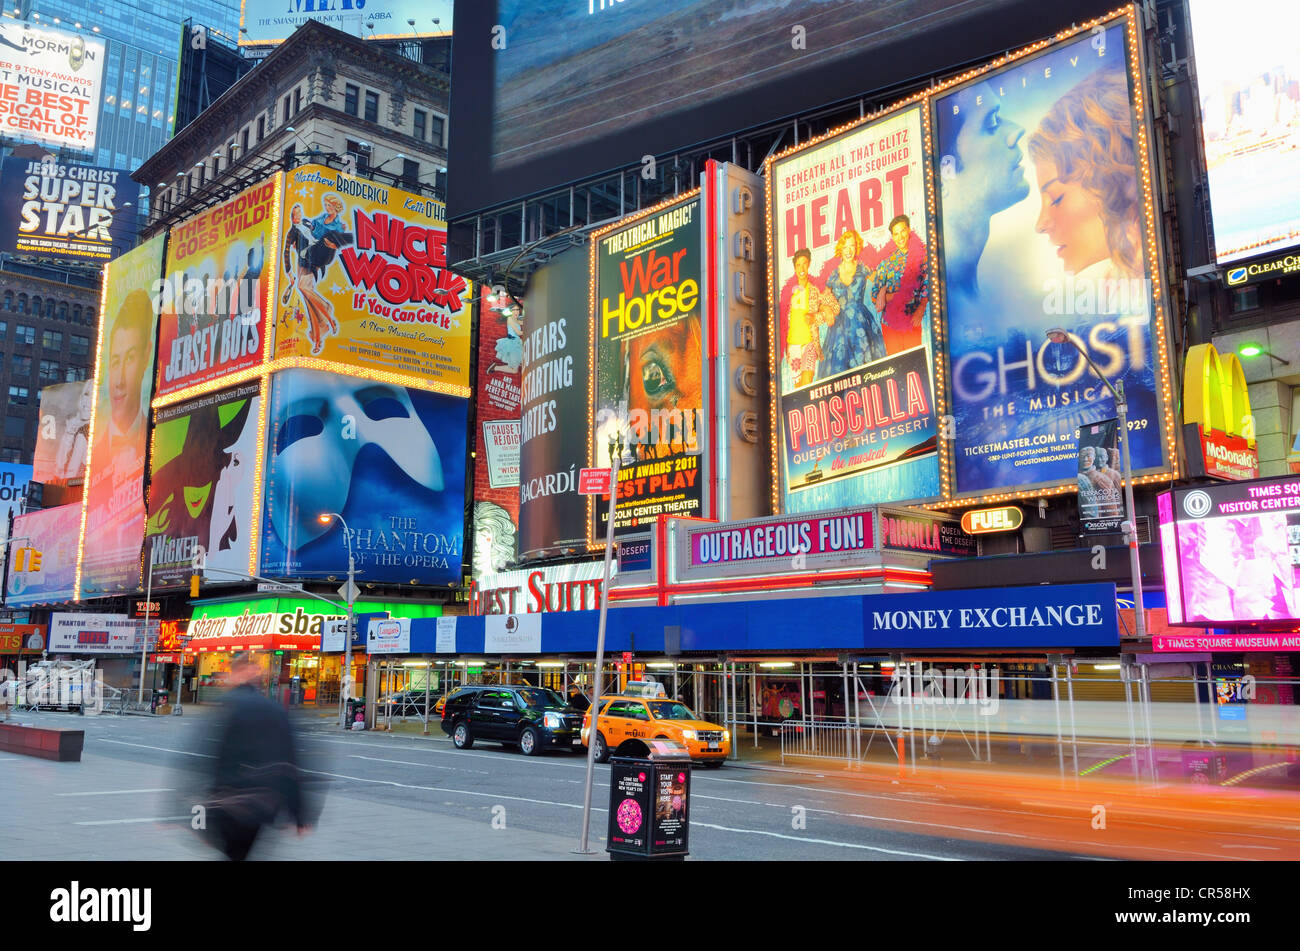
{"x": 325, "y": 518}
{"x": 1060, "y": 335}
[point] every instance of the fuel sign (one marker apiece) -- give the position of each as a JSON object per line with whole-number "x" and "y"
{"x": 1006, "y": 518}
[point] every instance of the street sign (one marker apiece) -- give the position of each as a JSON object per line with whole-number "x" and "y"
{"x": 593, "y": 481}
{"x": 269, "y": 587}
{"x": 627, "y": 657}
{"x": 349, "y": 591}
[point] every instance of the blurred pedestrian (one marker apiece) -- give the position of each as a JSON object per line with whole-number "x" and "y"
{"x": 255, "y": 776}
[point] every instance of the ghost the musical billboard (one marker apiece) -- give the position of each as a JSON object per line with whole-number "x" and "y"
{"x": 1044, "y": 197}
{"x": 648, "y": 360}
{"x": 390, "y": 459}
{"x": 214, "y": 297}
{"x": 114, "y": 499}
{"x": 200, "y": 477}
{"x": 851, "y": 357}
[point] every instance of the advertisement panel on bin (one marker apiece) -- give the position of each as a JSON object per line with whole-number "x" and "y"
{"x": 114, "y": 499}
{"x": 364, "y": 280}
{"x": 851, "y": 352}
{"x": 1040, "y": 165}
{"x": 215, "y": 290}
{"x": 389, "y": 459}
{"x": 200, "y": 485}
{"x": 648, "y": 359}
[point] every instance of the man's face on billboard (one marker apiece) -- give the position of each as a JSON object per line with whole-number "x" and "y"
{"x": 989, "y": 157}
{"x": 126, "y": 365}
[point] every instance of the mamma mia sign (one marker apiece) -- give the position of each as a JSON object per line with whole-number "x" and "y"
{"x": 1082, "y": 615}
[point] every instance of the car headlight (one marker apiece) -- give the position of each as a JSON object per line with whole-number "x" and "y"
{"x": 688, "y": 734}
{"x": 726, "y": 735}
{"x": 552, "y": 721}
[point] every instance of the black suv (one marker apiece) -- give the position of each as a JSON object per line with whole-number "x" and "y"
{"x": 531, "y": 718}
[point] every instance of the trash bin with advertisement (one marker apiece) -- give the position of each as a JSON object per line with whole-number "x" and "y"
{"x": 159, "y": 699}
{"x": 649, "y": 801}
{"x": 356, "y": 713}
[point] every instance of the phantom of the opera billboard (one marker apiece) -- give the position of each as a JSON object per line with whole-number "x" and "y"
{"x": 364, "y": 281}
{"x": 851, "y": 356}
{"x": 114, "y": 498}
{"x": 648, "y": 360}
{"x": 66, "y": 210}
{"x": 214, "y": 295}
{"x": 200, "y": 485}
{"x": 1044, "y": 194}
{"x": 389, "y": 459}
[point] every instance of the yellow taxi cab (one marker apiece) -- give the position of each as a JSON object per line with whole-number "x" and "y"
{"x": 635, "y": 715}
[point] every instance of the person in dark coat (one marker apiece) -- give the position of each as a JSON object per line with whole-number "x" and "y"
{"x": 255, "y": 776}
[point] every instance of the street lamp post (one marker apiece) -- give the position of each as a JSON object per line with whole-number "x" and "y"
{"x": 1059, "y": 335}
{"x": 346, "y": 682}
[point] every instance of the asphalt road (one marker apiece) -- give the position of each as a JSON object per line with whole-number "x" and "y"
{"x": 394, "y": 796}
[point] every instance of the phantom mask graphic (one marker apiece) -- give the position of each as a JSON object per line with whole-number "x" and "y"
{"x": 327, "y": 421}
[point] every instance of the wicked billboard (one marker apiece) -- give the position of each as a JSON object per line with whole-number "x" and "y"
{"x": 200, "y": 496}
{"x": 648, "y": 361}
{"x": 851, "y": 353}
{"x": 1044, "y": 194}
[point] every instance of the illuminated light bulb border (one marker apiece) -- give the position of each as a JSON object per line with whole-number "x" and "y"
{"x": 695, "y": 193}
{"x": 273, "y": 285}
{"x": 259, "y": 462}
{"x": 90, "y": 434}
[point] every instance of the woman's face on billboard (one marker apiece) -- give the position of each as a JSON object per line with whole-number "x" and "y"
{"x": 666, "y": 368}
{"x": 1071, "y": 219}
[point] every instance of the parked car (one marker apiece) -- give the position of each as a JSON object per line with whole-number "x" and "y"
{"x": 623, "y": 718}
{"x": 531, "y": 718}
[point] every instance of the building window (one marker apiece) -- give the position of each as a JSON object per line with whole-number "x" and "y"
{"x": 372, "y": 107}
{"x": 243, "y": 142}
{"x": 261, "y": 128}
{"x": 9, "y": 300}
{"x": 287, "y": 100}
{"x": 297, "y": 101}
{"x": 22, "y": 366}
{"x": 11, "y": 455}
{"x": 351, "y": 94}
{"x": 53, "y": 339}
{"x": 74, "y": 374}
{"x": 50, "y": 372}
{"x": 63, "y": 309}
{"x": 80, "y": 346}
{"x": 288, "y": 156}
{"x": 4, "y": 327}
{"x": 1245, "y": 298}
{"x": 410, "y": 173}
{"x": 22, "y": 305}
{"x": 18, "y": 394}
{"x": 438, "y": 123}
{"x": 15, "y": 427}
{"x": 23, "y": 333}
{"x": 361, "y": 153}
{"x": 421, "y": 124}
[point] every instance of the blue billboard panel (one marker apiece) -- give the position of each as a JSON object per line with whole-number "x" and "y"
{"x": 389, "y": 459}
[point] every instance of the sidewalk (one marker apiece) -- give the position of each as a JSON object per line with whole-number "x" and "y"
{"x": 105, "y": 808}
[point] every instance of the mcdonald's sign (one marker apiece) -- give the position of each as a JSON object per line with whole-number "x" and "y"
{"x": 1217, "y": 402}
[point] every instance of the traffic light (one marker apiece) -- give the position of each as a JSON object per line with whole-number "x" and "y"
{"x": 194, "y": 586}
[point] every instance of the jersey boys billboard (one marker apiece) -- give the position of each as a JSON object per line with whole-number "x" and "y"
{"x": 215, "y": 290}
{"x": 364, "y": 281}
{"x": 114, "y": 499}
{"x": 200, "y": 485}
{"x": 57, "y": 209}
{"x": 851, "y": 356}
{"x": 649, "y": 364}
{"x": 389, "y": 459}
{"x": 1040, "y": 167}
